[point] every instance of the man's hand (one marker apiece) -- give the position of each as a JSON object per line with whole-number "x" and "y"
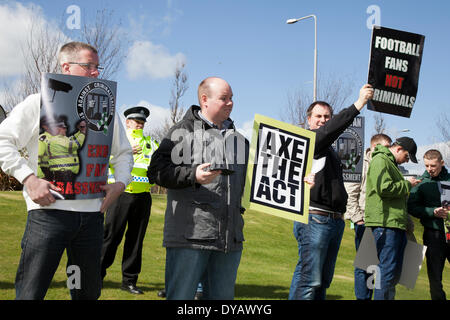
{"x": 137, "y": 149}
{"x": 310, "y": 180}
{"x": 205, "y": 177}
{"x": 414, "y": 182}
{"x": 113, "y": 191}
{"x": 39, "y": 190}
{"x": 365, "y": 94}
{"x": 440, "y": 212}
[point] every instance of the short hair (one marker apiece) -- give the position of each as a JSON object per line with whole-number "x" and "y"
{"x": 433, "y": 154}
{"x": 312, "y": 105}
{"x": 380, "y": 137}
{"x": 70, "y": 50}
{"x": 205, "y": 86}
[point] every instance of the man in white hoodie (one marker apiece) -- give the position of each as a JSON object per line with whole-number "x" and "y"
{"x": 54, "y": 226}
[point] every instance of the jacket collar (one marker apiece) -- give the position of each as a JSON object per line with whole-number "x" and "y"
{"x": 443, "y": 175}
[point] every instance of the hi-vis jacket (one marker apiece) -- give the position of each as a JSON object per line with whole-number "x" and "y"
{"x": 62, "y": 151}
{"x": 139, "y": 182}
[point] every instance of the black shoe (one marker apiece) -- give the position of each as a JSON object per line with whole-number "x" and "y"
{"x": 131, "y": 288}
{"x": 198, "y": 295}
{"x": 162, "y": 293}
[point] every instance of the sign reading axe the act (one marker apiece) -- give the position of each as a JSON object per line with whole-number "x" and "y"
{"x": 280, "y": 157}
{"x": 395, "y": 59}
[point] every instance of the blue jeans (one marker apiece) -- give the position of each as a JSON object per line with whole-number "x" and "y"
{"x": 390, "y": 245}
{"x": 362, "y": 292}
{"x": 47, "y": 234}
{"x": 318, "y": 246}
{"x": 185, "y": 268}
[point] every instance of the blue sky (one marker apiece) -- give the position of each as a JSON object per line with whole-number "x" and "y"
{"x": 248, "y": 43}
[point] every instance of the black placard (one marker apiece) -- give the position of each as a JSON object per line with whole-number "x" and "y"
{"x": 395, "y": 59}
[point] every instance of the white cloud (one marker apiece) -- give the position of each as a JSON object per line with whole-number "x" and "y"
{"x": 15, "y": 21}
{"x": 146, "y": 59}
{"x": 247, "y": 130}
{"x": 19, "y": 24}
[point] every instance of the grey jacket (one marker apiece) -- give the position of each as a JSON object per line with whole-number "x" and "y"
{"x": 201, "y": 216}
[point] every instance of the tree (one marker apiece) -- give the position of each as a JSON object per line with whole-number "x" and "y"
{"x": 179, "y": 87}
{"x": 40, "y": 52}
{"x": 380, "y": 124}
{"x": 443, "y": 125}
{"x": 333, "y": 90}
{"x": 106, "y": 35}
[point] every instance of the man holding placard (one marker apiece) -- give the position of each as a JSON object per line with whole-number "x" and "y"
{"x": 319, "y": 240}
{"x": 425, "y": 203}
{"x": 55, "y": 225}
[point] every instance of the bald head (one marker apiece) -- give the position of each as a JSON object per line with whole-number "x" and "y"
{"x": 207, "y": 85}
{"x": 215, "y": 99}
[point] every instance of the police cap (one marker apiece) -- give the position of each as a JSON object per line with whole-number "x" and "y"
{"x": 138, "y": 112}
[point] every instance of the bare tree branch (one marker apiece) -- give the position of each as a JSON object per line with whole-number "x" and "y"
{"x": 380, "y": 124}
{"x": 443, "y": 125}
{"x": 107, "y": 36}
{"x": 333, "y": 90}
{"x": 179, "y": 87}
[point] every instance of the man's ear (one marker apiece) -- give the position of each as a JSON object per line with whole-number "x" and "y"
{"x": 203, "y": 98}
{"x": 65, "y": 68}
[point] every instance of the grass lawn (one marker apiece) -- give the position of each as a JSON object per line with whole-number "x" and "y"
{"x": 265, "y": 272}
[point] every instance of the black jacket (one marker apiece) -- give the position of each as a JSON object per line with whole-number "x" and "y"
{"x": 201, "y": 216}
{"x": 329, "y": 191}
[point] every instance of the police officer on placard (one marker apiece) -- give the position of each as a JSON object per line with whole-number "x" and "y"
{"x": 132, "y": 207}
{"x": 63, "y": 159}
{"x": 48, "y": 130}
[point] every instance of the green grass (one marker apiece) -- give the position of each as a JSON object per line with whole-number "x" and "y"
{"x": 265, "y": 272}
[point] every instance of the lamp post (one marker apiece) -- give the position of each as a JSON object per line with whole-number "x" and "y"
{"x": 291, "y": 21}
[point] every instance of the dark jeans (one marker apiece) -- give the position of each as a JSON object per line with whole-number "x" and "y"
{"x": 318, "y": 246}
{"x": 390, "y": 244}
{"x": 47, "y": 234}
{"x": 437, "y": 252}
{"x": 362, "y": 292}
{"x": 132, "y": 210}
{"x": 186, "y": 268}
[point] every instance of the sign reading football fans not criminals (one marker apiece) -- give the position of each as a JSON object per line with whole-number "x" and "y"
{"x": 280, "y": 157}
{"x": 395, "y": 58}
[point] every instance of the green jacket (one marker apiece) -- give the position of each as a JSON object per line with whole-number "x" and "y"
{"x": 425, "y": 197}
{"x": 386, "y": 192}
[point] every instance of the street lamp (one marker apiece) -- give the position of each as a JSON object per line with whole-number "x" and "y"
{"x": 291, "y": 21}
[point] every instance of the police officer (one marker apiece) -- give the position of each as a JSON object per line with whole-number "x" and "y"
{"x": 63, "y": 159}
{"x": 48, "y": 130}
{"x": 132, "y": 207}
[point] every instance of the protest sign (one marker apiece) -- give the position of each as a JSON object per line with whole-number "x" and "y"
{"x": 76, "y": 130}
{"x": 2, "y": 114}
{"x": 395, "y": 58}
{"x": 280, "y": 157}
{"x": 444, "y": 188}
{"x": 366, "y": 257}
{"x": 350, "y": 148}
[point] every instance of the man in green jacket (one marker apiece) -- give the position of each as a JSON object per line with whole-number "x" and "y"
{"x": 425, "y": 203}
{"x": 385, "y": 211}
